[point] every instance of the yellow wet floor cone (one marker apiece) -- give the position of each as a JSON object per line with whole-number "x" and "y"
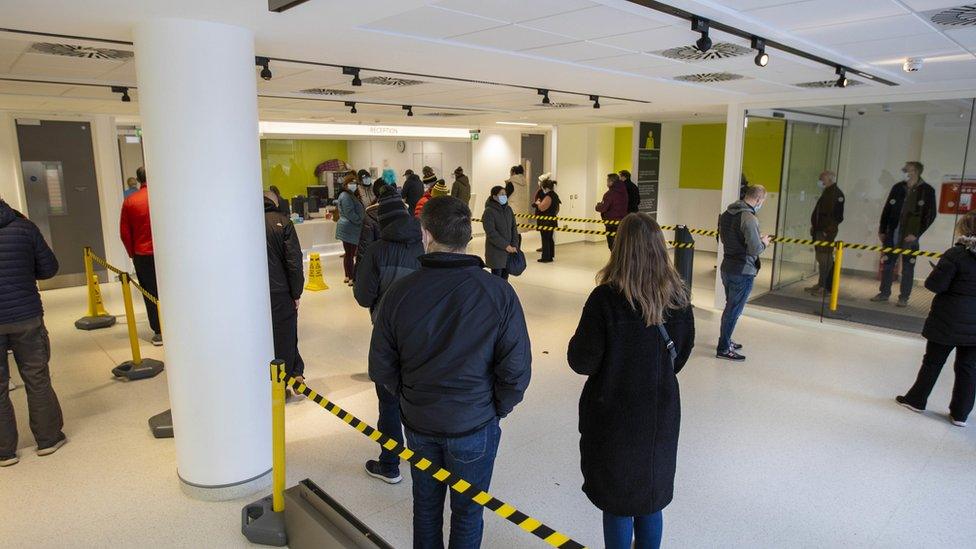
{"x": 97, "y": 298}
{"x": 97, "y": 317}
{"x": 315, "y": 280}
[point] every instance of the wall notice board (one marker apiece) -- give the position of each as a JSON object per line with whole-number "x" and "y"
{"x": 648, "y": 165}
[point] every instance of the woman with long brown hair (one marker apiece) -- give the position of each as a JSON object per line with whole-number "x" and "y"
{"x": 636, "y": 333}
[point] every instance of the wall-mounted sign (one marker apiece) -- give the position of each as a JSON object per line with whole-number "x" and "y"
{"x": 648, "y": 165}
{"x": 957, "y": 196}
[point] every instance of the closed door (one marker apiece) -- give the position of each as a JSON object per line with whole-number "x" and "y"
{"x": 62, "y": 192}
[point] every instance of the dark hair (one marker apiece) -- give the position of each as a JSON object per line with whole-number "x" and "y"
{"x": 428, "y": 170}
{"x": 917, "y": 165}
{"x": 363, "y": 173}
{"x": 517, "y": 170}
{"x": 458, "y": 170}
{"x": 548, "y": 183}
{"x": 624, "y": 173}
{"x": 141, "y": 175}
{"x": 613, "y": 177}
{"x": 275, "y": 190}
{"x": 496, "y": 189}
{"x": 448, "y": 220}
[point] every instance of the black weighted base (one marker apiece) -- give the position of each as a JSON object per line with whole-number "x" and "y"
{"x": 261, "y": 525}
{"x": 94, "y": 322}
{"x": 161, "y": 424}
{"x": 146, "y": 369}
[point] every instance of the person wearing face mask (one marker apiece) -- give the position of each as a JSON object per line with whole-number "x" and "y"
{"x": 907, "y": 214}
{"x": 547, "y": 205}
{"x": 439, "y": 188}
{"x": 350, "y": 225}
{"x": 742, "y": 244}
{"x": 501, "y": 234}
{"x": 825, "y": 221}
{"x": 614, "y": 205}
{"x": 367, "y": 193}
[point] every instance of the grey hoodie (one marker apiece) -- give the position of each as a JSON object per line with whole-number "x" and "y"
{"x": 739, "y": 230}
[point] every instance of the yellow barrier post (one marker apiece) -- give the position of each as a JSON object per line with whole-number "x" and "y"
{"x": 137, "y": 368}
{"x": 316, "y": 281}
{"x": 278, "y": 436}
{"x": 835, "y": 285}
{"x": 97, "y": 316}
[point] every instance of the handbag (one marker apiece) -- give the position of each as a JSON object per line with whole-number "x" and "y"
{"x": 516, "y": 262}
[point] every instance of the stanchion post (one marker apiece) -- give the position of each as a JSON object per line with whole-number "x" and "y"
{"x": 835, "y": 284}
{"x": 278, "y": 435}
{"x": 130, "y": 320}
{"x": 89, "y": 276}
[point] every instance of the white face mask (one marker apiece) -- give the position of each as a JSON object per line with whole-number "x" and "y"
{"x": 821, "y": 184}
{"x": 502, "y": 199}
{"x": 353, "y": 187}
{"x": 758, "y": 207}
{"x": 367, "y": 181}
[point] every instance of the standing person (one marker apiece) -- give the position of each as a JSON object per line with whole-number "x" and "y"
{"x": 282, "y": 202}
{"x": 461, "y": 189}
{"x": 131, "y": 186}
{"x": 370, "y": 232}
{"x": 613, "y": 207}
{"x": 547, "y": 205}
{"x": 516, "y": 178}
{"x": 394, "y": 256}
{"x": 454, "y": 388}
{"x": 286, "y": 280}
{"x": 429, "y": 177}
{"x": 742, "y": 243}
{"x": 27, "y": 258}
{"x": 636, "y": 333}
{"x": 908, "y": 212}
{"x": 439, "y": 188}
{"x": 501, "y": 234}
{"x": 136, "y": 232}
{"x": 951, "y": 324}
{"x": 350, "y": 225}
{"x": 366, "y": 191}
{"x": 413, "y": 190}
{"x": 825, "y": 222}
{"x": 633, "y": 193}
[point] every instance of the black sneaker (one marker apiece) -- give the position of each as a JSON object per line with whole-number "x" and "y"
{"x": 904, "y": 402}
{"x": 48, "y": 450}
{"x": 157, "y": 340}
{"x": 902, "y": 302}
{"x": 730, "y": 355}
{"x": 7, "y": 461}
{"x": 735, "y": 346}
{"x": 376, "y": 470}
{"x": 880, "y": 298}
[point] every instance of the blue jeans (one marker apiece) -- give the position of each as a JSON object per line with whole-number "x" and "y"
{"x": 737, "y": 290}
{"x": 907, "y": 271}
{"x": 471, "y": 457}
{"x": 389, "y": 424}
{"x": 644, "y": 531}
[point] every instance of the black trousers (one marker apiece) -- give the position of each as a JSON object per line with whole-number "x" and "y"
{"x": 611, "y": 229}
{"x": 284, "y": 328}
{"x": 964, "y": 388}
{"x": 548, "y": 245}
{"x": 825, "y": 260}
{"x": 32, "y": 351}
{"x": 146, "y": 276}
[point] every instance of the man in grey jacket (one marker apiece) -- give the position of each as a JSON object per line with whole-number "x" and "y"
{"x": 742, "y": 243}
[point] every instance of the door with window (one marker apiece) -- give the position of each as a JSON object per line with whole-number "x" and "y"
{"x": 61, "y": 192}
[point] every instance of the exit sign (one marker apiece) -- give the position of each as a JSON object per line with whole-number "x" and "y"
{"x": 475, "y": 136}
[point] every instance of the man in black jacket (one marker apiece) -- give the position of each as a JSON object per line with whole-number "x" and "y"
{"x": 451, "y": 340}
{"x": 413, "y": 190}
{"x": 908, "y": 212}
{"x": 286, "y": 279}
{"x": 26, "y": 258}
{"x": 633, "y": 193}
{"x": 825, "y": 222}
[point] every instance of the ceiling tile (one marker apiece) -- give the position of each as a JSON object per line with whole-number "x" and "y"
{"x": 514, "y": 11}
{"x": 923, "y": 5}
{"x": 743, "y": 5}
{"x": 898, "y": 26}
{"x": 513, "y": 38}
{"x": 817, "y": 13}
{"x": 966, "y": 37}
{"x": 629, "y": 61}
{"x": 593, "y": 23}
{"x": 433, "y": 22}
{"x": 751, "y": 85}
{"x": 922, "y": 45}
{"x": 576, "y": 51}
{"x": 953, "y": 70}
{"x": 651, "y": 40}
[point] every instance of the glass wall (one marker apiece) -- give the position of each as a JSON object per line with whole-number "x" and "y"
{"x": 887, "y": 174}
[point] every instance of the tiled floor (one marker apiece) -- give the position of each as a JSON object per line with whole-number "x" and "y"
{"x": 801, "y": 446}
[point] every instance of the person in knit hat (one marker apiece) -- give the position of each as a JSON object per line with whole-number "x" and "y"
{"x": 395, "y": 255}
{"x": 438, "y": 189}
{"x": 371, "y": 224}
{"x": 429, "y": 178}
{"x": 462, "y": 186}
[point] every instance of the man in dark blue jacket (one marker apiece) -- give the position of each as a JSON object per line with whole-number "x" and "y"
{"x": 26, "y": 258}
{"x": 451, "y": 340}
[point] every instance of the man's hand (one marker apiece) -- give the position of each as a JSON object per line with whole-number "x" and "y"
{"x": 909, "y": 238}
{"x": 296, "y": 303}
{"x": 766, "y": 239}
{"x": 881, "y": 237}
{"x": 511, "y": 249}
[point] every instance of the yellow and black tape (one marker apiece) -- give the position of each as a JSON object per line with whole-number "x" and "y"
{"x": 890, "y": 250}
{"x": 459, "y": 485}
{"x": 105, "y": 263}
{"x": 568, "y": 219}
{"x": 144, "y": 291}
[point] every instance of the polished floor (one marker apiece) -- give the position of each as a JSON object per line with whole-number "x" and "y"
{"x": 801, "y": 446}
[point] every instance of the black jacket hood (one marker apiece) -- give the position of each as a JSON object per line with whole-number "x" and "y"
{"x": 7, "y": 214}
{"x": 269, "y": 206}
{"x": 406, "y": 230}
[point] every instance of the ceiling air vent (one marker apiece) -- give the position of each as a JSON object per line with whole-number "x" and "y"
{"x": 722, "y": 50}
{"x": 826, "y": 84}
{"x": 326, "y": 91}
{"x": 390, "y": 81}
{"x": 709, "y": 77}
{"x": 85, "y": 52}
{"x": 963, "y": 16}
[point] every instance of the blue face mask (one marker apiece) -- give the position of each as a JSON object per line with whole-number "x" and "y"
{"x": 758, "y": 207}
{"x": 502, "y": 199}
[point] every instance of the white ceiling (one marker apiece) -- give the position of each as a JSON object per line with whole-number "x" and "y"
{"x": 602, "y": 47}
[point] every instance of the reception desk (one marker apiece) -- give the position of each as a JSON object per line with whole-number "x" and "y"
{"x": 318, "y": 235}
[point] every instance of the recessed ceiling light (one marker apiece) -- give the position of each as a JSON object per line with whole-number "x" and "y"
{"x": 529, "y": 124}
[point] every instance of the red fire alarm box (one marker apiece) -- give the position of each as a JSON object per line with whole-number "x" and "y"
{"x": 958, "y": 197}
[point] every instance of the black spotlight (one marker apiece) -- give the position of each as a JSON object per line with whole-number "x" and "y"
{"x": 762, "y": 58}
{"x": 699, "y": 24}
{"x": 842, "y": 80}
{"x": 596, "y": 101}
{"x": 124, "y": 91}
{"x": 352, "y": 105}
{"x": 354, "y": 72}
{"x": 264, "y": 63}
{"x": 409, "y": 109}
{"x": 545, "y": 96}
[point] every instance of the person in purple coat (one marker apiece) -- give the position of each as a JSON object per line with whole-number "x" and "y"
{"x": 613, "y": 207}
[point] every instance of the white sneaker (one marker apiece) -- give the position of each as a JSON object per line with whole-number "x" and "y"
{"x": 956, "y": 422}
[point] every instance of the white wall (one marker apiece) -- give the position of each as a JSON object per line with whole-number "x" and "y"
{"x": 584, "y": 157}
{"x": 11, "y": 189}
{"x": 382, "y": 153}
{"x": 492, "y": 156}
{"x": 668, "y": 198}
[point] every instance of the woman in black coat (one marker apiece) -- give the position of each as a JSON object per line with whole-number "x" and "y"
{"x": 501, "y": 235}
{"x": 630, "y": 408}
{"x": 951, "y": 324}
{"x": 546, "y": 204}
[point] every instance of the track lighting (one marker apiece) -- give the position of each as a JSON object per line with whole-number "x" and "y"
{"x": 841, "y": 77}
{"x": 264, "y": 63}
{"x": 354, "y": 72}
{"x": 762, "y": 58}
{"x": 124, "y": 91}
{"x": 699, "y": 24}
{"x": 596, "y": 101}
{"x": 352, "y": 105}
{"x": 409, "y": 109}
{"x": 545, "y": 96}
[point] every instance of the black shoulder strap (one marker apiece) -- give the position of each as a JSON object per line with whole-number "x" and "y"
{"x": 672, "y": 351}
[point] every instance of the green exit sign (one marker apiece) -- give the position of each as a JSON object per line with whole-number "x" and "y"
{"x": 475, "y": 136}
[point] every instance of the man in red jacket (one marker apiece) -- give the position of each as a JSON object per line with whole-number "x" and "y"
{"x": 613, "y": 207}
{"x": 136, "y": 234}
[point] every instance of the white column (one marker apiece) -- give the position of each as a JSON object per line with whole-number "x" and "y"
{"x": 731, "y": 179}
{"x": 198, "y": 100}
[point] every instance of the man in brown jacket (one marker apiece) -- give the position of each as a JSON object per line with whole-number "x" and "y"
{"x": 825, "y": 221}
